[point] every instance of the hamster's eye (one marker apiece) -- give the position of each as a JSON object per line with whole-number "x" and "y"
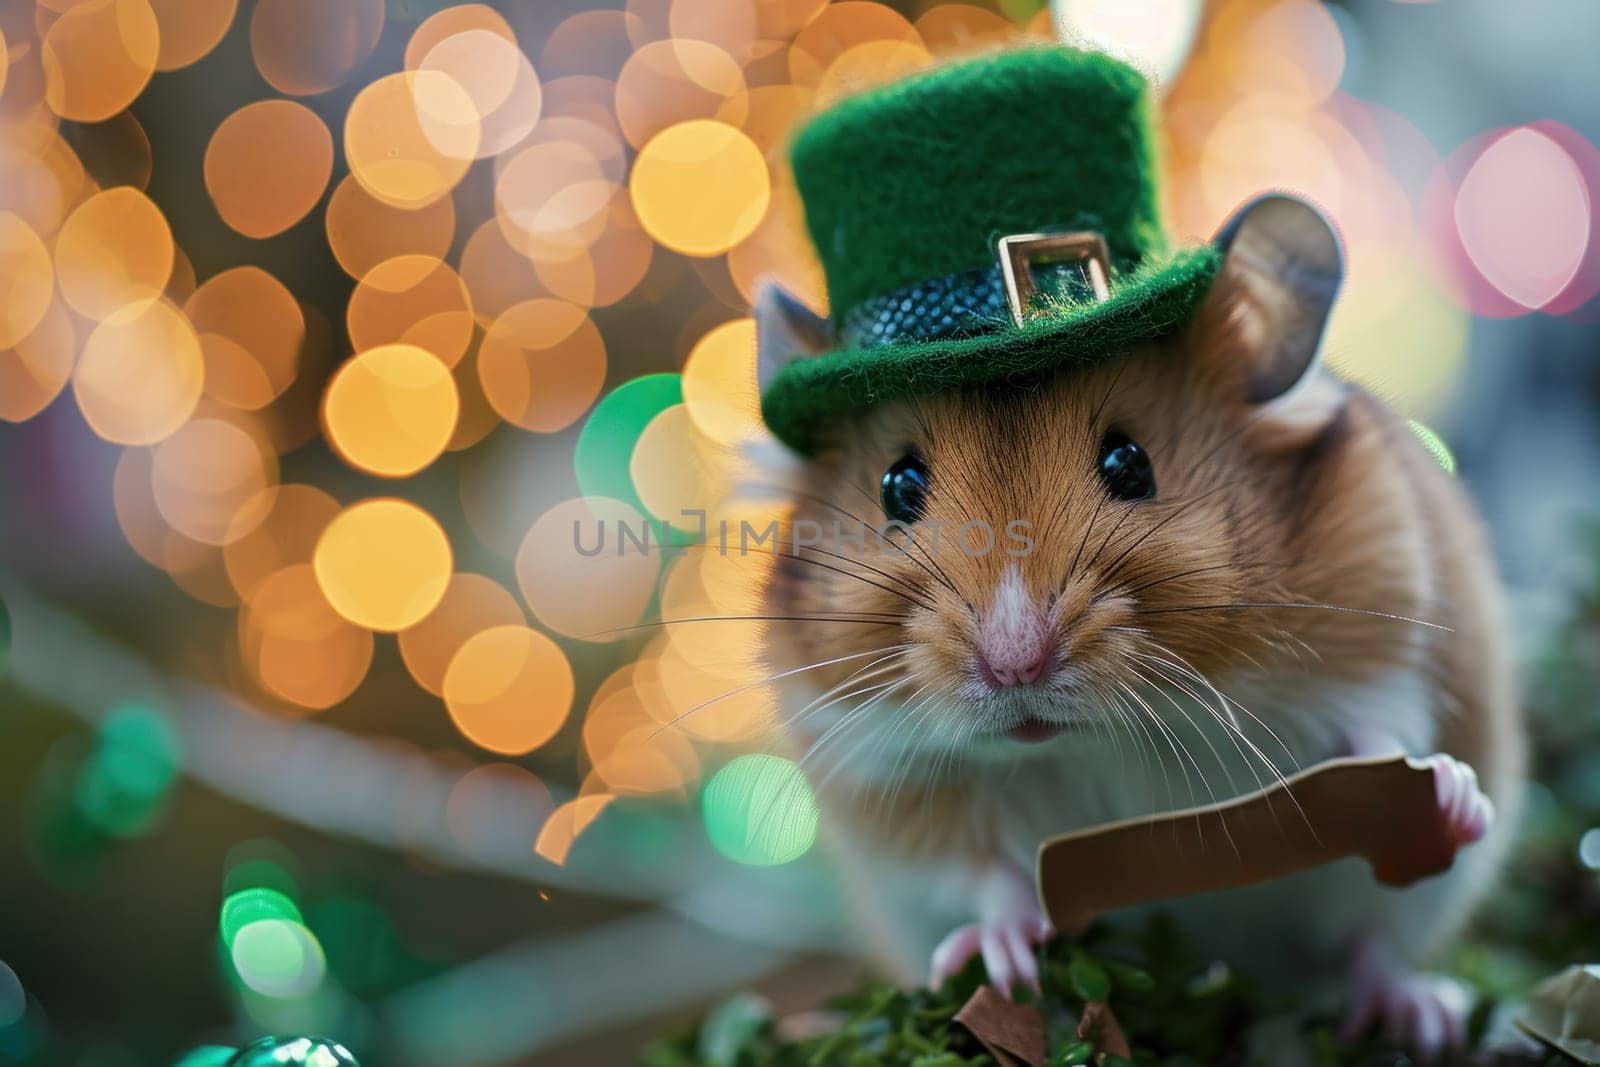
{"x": 904, "y": 487}
{"x": 1125, "y": 468}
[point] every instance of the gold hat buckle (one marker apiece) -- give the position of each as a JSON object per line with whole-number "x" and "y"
{"x": 1019, "y": 253}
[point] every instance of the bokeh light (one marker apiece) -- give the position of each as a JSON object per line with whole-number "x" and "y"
{"x": 35, "y": 369}
{"x": 509, "y": 689}
{"x": 541, "y": 364}
{"x": 113, "y": 250}
{"x": 140, "y": 374}
{"x": 305, "y": 47}
{"x": 1435, "y": 446}
{"x": 1523, "y": 212}
{"x": 30, "y": 283}
{"x": 278, "y": 958}
{"x": 251, "y": 331}
{"x": 252, "y": 905}
{"x": 267, "y": 166}
{"x": 190, "y": 29}
{"x": 364, "y": 231}
{"x": 561, "y": 829}
{"x": 498, "y": 79}
{"x": 210, "y": 480}
{"x": 383, "y": 564}
{"x": 293, "y": 519}
{"x": 414, "y": 300}
{"x": 604, "y": 456}
{"x": 700, "y": 187}
{"x": 391, "y": 410}
{"x": 296, "y": 646}
{"x": 582, "y": 571}
{"x": 98, "y": 57}
{"x": 669, "y": 82}
{"x": 471, "y": 604}
{"x": 410, "y": 137}
{"x": 1153, "y": 35}
{"x": 719, "y": 383}
{"x": 759, "y": 811}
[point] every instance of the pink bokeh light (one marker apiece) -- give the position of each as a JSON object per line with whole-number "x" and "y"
{"x": 1512, "y": 220}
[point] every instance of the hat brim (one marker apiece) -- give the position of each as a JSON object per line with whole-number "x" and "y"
{"x": 1157, "y": 299}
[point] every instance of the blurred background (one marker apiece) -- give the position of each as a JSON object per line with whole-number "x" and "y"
{"x": 325, "y": 321}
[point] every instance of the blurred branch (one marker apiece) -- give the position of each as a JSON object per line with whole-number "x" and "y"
{"x": 387, "y": 796}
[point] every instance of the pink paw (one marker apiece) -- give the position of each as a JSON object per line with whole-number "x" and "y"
{"x": 1467, "y": 810}
{"x": 1007, "y": 946}
{"x": 1424, "y": 1013}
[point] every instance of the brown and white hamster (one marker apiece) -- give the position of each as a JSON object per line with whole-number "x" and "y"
{"x": 1239, "y": 566}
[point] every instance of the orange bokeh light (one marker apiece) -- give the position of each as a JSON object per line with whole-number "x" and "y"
{"x": 391, "y": 410}
{"x": 293, "y": 519}
{"x": 668, "y": 82}
{"x": 210, "y": 481}
{"x": 140, "y": 374}
{"x": 304, "y": 47}
{"x": 499, "y": 80}
{"x": 415, "y": 300}
{"x": 29, "y": 279}
{"x": 190, "y": 29}
{"x": 410, "y": 137}
{"x": 363, "y": 231}
{"x": 296, "y": 646}
{"x": 98, "y": 57}
{"x": 542, "y": 364}
{"x": 267, "y": 166}
{"x": 383, "y": 564}
{"x": 509, "y": 689}
{"x": 113, "y": 250}
{"x": 251, "y": 332}
{"x": 471, "y": 604}
{"x": 700, "y": 187}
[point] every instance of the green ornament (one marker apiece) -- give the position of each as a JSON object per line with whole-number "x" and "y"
{"x": 293, "y": 1052}
{"x": 207, "y": 1056}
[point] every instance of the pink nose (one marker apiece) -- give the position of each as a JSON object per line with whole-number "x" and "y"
{"x": 1003, "y": 668}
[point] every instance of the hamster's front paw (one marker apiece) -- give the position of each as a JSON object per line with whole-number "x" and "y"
{"x": 1010, "y": 926}
{"x": 1468, "y": 812}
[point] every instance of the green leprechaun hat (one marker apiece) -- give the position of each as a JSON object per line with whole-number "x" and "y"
{"x": 979, "y": 222}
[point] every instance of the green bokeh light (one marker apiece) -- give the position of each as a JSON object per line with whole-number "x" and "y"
{"x": 206, "y": 1056}
{"x": 278, "y": 958}
{"x": 254, "y": 905}
{"x": 293, "y": 1052}
{"x": 759, "y": 811}
{"x": 604, "y": 454}
{"x": 1435, "y": 446}
{"x": 125, "y": 781}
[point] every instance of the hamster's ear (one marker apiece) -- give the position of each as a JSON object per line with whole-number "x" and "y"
{"x": 1281, "y": 270}
{"x": 786, "y": 330}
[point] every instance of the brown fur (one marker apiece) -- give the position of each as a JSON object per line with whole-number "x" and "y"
{"x": 1323, "y": 498}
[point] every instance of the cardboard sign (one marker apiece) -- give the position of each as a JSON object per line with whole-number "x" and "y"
{"x": 1384, "y": 809}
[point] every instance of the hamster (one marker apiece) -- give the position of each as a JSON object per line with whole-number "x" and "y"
{"x": 1237, "y": 566}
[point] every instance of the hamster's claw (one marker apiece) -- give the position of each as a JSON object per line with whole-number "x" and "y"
{"x": 1468, "y": 812}
{"x": 1424, "y": 1013}
{"x": 1006, "y": 944}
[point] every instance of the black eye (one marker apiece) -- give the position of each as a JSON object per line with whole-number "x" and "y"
{"x": 905, "y": 485}
{"x": 1125, "y": 468}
